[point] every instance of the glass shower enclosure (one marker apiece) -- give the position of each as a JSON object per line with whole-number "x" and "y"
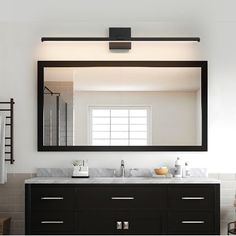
{"x": 55, "y": 119}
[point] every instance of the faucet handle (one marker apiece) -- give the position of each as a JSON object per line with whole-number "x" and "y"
{"x": 122, "y": 162}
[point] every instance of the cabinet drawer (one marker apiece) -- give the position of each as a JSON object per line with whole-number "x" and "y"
{"x": 121, "y": 197}
{"x": 191, "y": 222}
{"x": 53, "y": 198}
{"x": 56, "y": 222}
{"x": 190, "y": 197}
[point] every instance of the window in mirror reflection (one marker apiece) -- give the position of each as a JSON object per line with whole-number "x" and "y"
{"x": 120, "y": 125}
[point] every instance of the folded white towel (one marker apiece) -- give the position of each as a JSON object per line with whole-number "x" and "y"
{"x": 3, "y": 173}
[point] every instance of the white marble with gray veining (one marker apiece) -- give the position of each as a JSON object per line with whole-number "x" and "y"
{"x": 120, "y": 180}
{"x": 111, "y": 172}
{"x": 54, "y": 172}
{"x": 94, "y": 172}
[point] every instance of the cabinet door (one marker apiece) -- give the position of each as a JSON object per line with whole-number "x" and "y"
{"x": 119, "y": 222}
{"x": 142, "y": 222}
{"x": 95, "y": 222}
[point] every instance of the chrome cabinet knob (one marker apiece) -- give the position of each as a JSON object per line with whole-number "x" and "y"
{"x": 119, "y": 225}
{"x": 126, "y": 225}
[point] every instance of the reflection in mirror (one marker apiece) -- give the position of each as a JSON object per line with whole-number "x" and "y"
{"x": 125, "y": 106}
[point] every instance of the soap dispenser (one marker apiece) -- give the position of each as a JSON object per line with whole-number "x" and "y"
{"x": 186, "y": 170}
{"x": 178, "y": 168}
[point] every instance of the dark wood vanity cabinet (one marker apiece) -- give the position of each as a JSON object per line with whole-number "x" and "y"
{"x": 123, "y": 209}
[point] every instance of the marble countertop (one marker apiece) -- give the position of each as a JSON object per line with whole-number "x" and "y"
{"x": 117, "y": 180}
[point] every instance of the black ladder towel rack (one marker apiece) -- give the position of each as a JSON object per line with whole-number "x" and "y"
{"x": 8, "y": 107}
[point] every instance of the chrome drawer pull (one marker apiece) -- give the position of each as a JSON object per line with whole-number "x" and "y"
{"x": 122, "y": 198}
{"x": 52, "y": 222}
{"x": 52, "y": 198}
{"x": 193, "y": 198}
{"x": 193, "y": 222}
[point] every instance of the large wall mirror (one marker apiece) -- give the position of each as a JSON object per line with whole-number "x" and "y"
{"x": 122, "y": 106}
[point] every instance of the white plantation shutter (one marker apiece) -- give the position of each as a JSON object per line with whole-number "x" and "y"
{"x": 120, "y": 125}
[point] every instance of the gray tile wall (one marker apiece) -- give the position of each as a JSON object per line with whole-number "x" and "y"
{"x": 227, "y": 195}
{"x": 12, "y": 200}
{"x": 12, "y": 197}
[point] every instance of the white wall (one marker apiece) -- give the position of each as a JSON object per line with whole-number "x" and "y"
{"x": 22, "y": 23}
{"x": 172, "y": 119}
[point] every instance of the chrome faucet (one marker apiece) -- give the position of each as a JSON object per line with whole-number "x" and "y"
{"x": 122, "y": 168}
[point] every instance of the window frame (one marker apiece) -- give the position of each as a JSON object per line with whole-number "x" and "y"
{"x": 121, "y": 107}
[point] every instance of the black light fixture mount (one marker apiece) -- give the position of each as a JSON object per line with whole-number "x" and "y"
{"x": 120, "y": 35}
{"x": 120, "y": 38}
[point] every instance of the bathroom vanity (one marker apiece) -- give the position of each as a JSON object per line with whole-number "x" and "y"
{"x": 122, "y": 206}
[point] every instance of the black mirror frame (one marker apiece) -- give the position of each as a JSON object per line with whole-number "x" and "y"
{"x": 204, "y": 102}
